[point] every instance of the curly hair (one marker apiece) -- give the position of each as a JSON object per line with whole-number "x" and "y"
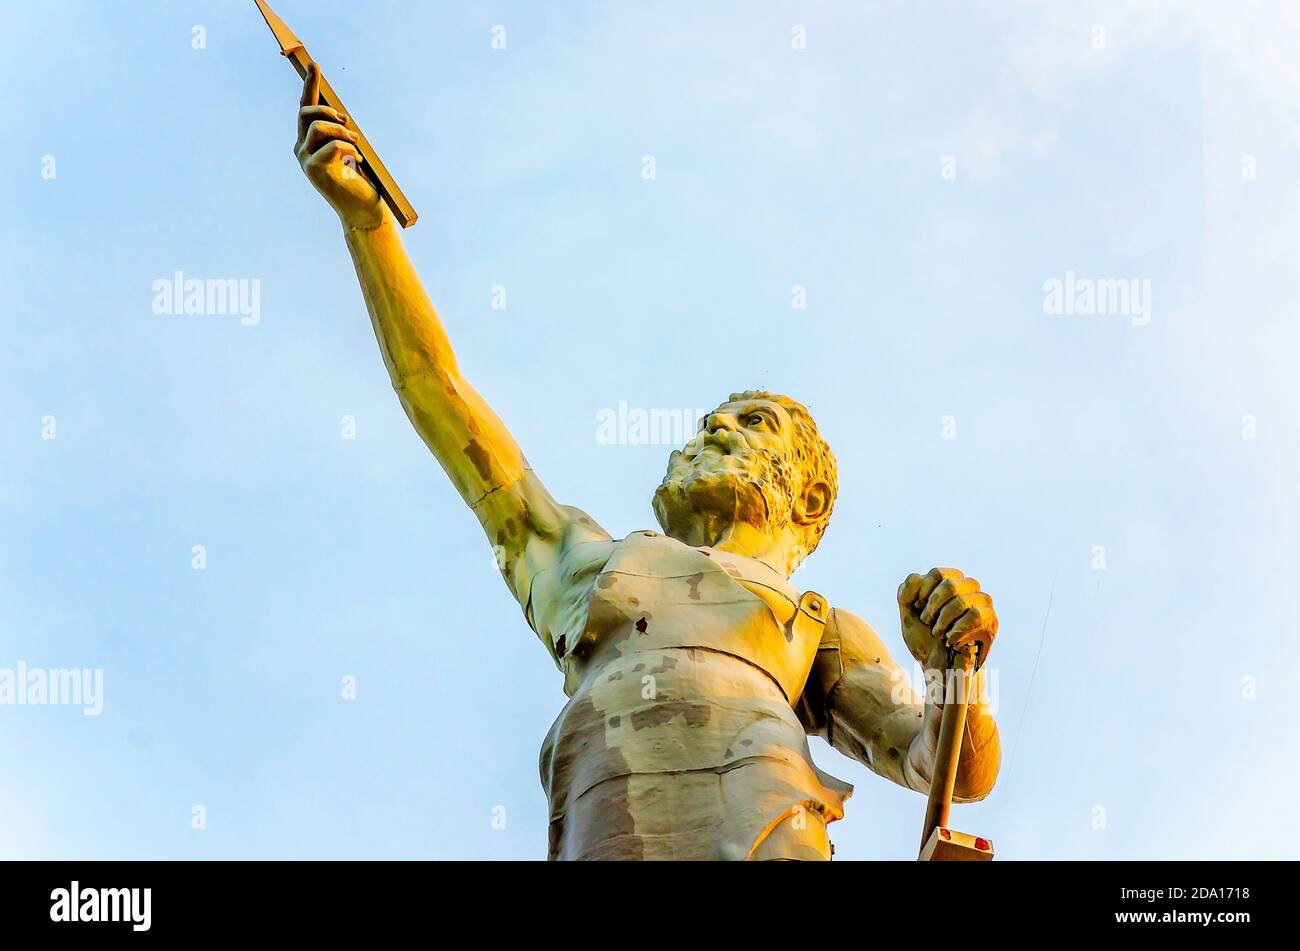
{"x": 812, "y": 456}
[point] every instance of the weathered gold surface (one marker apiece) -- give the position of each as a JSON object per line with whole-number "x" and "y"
{"x": 694, "y": 669}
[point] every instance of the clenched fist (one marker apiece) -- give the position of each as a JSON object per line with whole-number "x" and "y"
{"x": 327, "y": 151}
{"x": 945, "y": 610}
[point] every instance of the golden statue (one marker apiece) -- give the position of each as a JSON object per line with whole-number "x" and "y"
{"x": 695, "y": 671}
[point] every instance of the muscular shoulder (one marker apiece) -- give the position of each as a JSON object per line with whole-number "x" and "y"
{"x": 579, "y": 528}
{"x": 848, "y": 641}
{"x": 531, "y": 532}
{"x": 857, "y": 640}
{"x": 849, "y": 645}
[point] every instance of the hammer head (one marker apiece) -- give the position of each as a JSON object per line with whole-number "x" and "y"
{"x": 945, "y": 845}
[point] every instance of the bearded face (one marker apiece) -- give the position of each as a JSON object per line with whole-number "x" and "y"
{"x": 722, "y": 477}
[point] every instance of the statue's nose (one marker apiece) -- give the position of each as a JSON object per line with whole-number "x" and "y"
{"x": 716, "y": 421}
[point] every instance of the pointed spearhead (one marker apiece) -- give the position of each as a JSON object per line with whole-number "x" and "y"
{"x": 283, "y": 35}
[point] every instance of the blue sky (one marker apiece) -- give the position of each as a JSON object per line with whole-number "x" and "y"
{"x": 1143, "y": 706}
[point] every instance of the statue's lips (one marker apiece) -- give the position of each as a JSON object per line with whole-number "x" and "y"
{"x": 713, "y": 455}
{"x": 717, "y": 460}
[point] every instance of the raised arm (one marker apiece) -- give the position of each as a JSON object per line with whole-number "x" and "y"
{"x": 524, "y": 523}
{"x": 862, "y": 703}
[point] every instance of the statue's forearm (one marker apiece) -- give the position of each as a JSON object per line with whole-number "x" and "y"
{"x": 981, "y": 751}
{"x": 466, "y": 436}
{"x": 410, "y": 333}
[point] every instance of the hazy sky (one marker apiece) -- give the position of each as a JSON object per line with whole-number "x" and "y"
{"x": 1123, "y": 484}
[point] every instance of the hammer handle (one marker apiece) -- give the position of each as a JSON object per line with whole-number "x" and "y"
{"x": 948, "y": 751}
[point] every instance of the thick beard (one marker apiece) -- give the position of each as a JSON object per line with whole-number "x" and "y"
{"x": 701, "y": 497}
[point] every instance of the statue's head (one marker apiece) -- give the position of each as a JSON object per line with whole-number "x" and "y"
{"x": 758, "y": 459}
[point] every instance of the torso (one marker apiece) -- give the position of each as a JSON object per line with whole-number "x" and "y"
{"x": 682, "y": 665}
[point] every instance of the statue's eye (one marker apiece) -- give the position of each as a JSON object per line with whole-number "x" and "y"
{"x": 756, "y": 419}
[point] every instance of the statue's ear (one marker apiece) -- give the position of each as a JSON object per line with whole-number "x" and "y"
{"x": 814, "y": 502}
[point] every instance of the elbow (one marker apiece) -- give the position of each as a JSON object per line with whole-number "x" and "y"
{"x": 414, "y": 375}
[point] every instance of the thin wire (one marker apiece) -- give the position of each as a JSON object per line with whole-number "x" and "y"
{"x": 1020, "y": 728}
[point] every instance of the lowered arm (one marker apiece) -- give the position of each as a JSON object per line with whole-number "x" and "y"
{"x": 861, "y": 702}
